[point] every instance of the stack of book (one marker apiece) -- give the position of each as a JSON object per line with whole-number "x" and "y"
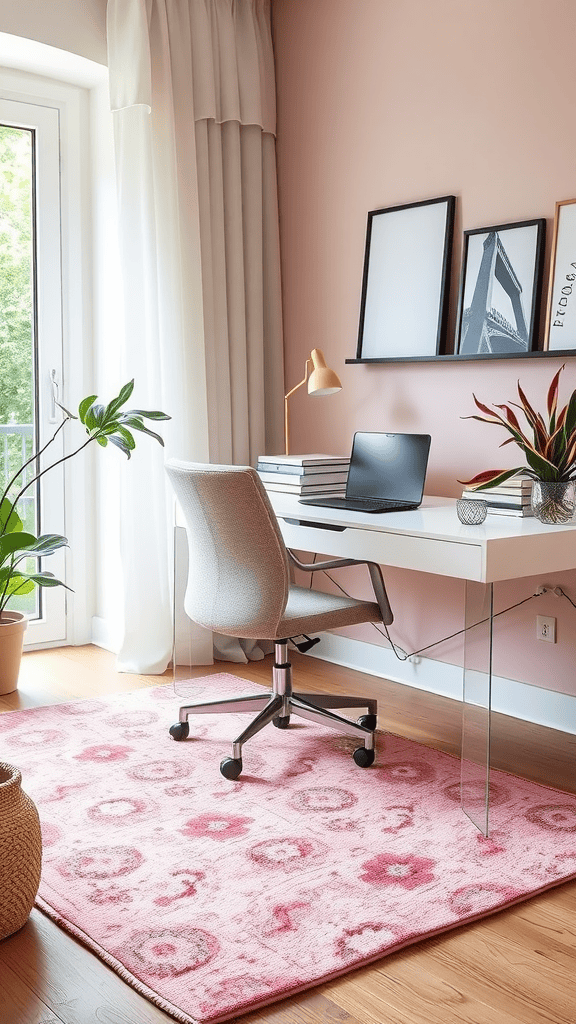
{"x": 304, "y": 475}
{"x": 512, "y": 498}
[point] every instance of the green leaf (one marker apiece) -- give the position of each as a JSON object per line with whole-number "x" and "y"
{"x": 17, "y": 541}
{"x": 102, "y": 441}
{"x": 45, "y": 579}
{"x": 85, "y": 405}
{"x": 97, "y": 412}
{"x": 19, "y": 584}
{"x": 131, "y": 420}
{"x": 489, "y": 478}
{"x": 154, "y": 415}
{"x": 113, "y": 406}
{"x": 137, "y": 426}
{"x": 544, "y": 469}
{"x": 10, "y": 521}
{"x": 570, "y": 421}
{"x": 89, "y": 419}
{"x": 47, "y": 543}
{"x": 121, "y": 444}
{"x": 127, "y": 437}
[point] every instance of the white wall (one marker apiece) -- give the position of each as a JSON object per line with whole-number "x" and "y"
{"x": 75, "y": 25}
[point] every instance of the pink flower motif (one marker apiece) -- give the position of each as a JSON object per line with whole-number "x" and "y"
{"x": 390, "y": 869}
{"x": 50, "y": 834}
{"x": 488, "y": 847}
{"x": 104, "y": 752}
{"x": 216, "y": 826}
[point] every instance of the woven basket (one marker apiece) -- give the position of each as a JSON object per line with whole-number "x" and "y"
{"x": 20, "y": 852}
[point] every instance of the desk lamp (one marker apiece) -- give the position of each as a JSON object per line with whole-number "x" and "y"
{"x": 322, "y": 381}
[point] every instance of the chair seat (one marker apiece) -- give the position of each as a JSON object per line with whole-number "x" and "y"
{"x": 312, "y": 611}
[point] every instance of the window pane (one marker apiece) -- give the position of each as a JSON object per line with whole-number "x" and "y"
{"x": 17, "y": 355}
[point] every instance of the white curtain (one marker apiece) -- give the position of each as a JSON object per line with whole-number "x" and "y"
{"x": 192, "y": 90}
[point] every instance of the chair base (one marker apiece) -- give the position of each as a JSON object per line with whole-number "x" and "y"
{"x": 278, "y": 707}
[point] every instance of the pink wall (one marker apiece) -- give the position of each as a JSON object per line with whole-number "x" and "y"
{"x": 383, "y": 102}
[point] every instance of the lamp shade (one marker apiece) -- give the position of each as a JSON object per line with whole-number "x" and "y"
{"x": 322, "y": 380}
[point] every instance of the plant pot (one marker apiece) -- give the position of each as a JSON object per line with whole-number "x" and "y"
{"x": 12, "y": 626}
{"x": 553, "y": 502}
{"x": 20, "y": 852}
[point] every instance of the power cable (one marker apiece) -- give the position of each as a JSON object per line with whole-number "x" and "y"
{"x": 406, "y": 657}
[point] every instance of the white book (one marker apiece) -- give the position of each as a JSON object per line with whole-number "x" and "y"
{"x": 493, "y": 510}
{"x": 492, "y": 498}
{"x": 314, "y": 489}
{"x": 503, "y": 488}
{"x": 305, "y": 479}
{"x": 305, "y": 460}
{"x": 296, "y": 470}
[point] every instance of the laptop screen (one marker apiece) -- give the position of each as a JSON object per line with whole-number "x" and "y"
{"x": 388, "y": 466}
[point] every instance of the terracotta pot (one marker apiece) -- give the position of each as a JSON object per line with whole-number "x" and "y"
{"x": 20, "y": 852}
{"x": 12, "y": 626}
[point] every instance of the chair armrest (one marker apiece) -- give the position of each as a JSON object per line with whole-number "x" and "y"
{"x": 335, "y": 563}
{"x": 376, "y": 578}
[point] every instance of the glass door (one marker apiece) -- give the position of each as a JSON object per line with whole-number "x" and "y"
{"x": 31, "y": 340}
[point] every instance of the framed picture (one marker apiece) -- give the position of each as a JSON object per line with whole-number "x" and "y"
{"x": 404, "y": 300}
{"x": 560, "y": 328}
{"x": 500, "y": 289}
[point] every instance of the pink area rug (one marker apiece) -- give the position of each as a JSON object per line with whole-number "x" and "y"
{"x": 214, "y": 897}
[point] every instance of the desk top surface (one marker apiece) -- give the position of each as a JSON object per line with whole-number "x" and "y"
{"x": 432, "y": 539}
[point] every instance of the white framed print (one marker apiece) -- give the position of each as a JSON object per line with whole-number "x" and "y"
{"x": 560, "y": 327}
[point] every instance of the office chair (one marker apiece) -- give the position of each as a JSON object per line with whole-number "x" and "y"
{"x": 239, "y": 585}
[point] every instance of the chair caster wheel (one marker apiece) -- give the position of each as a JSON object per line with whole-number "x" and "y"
{"x": 368, "y": 721}
{"x": 282, "y": 721}
{"x": 363, "y": 758}
{"x": 179, "y": 731}
{"x": 230, "y": 767}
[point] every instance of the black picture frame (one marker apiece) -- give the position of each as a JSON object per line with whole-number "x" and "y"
{"x": 405, "y": 281}
{"x": 500, "y": 289}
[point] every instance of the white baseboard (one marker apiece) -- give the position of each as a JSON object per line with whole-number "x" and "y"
{"x": 509, "y": 697}
{"x": 104, "y": 635}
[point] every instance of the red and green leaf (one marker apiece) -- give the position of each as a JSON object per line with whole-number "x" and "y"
{"x": 490, "y": 477}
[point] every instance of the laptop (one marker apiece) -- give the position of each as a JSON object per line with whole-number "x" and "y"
{"x": 387, "y": 474}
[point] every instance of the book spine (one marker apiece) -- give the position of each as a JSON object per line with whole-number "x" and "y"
{"x": 505, "y": 500}
{"x": 307, "y": 480}
{"x": 303, "y": 464}
{"x": 521, "y": 513}
{"x": 316, "y": 489}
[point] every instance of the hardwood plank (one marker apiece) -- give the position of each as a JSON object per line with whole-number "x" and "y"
{"x": 18, "y": 1003}
{"x": 78, "y": 987}
{"x": 409, "y": 994}
{"x": 309, "y": 1009}
{"x": 512, "y": 975}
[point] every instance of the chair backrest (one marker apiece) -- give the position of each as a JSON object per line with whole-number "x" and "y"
{"x": 238, "y": 576}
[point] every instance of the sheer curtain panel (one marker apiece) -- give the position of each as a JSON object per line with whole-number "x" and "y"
{"x": 193, "y": 95}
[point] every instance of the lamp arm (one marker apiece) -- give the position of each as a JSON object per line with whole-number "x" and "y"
{"x": 286, "y": 397}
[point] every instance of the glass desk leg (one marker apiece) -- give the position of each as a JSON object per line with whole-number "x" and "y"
{"x": 475, "y": 764}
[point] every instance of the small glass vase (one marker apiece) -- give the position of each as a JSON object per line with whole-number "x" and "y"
{"x": 553, "y": 502}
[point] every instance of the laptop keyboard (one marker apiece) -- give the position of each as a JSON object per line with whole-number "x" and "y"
{"x": 370, "y": 503}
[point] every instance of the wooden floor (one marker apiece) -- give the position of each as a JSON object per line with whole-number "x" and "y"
{"x": 517, "y": 967}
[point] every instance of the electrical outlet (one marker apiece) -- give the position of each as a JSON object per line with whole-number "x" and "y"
{"x": 546, "y": 628}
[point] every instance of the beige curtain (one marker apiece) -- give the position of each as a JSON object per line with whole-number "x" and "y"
{"x": 192, "y": 87}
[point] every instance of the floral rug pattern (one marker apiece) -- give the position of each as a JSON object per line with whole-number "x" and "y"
{"x": 215, "y": 897}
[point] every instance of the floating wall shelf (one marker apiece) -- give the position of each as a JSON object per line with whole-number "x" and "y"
{"x": 450, "y": 356}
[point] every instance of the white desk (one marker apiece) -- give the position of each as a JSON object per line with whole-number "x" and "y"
{"x": 432, "y": 539}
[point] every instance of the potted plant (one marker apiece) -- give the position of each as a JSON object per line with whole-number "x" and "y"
{"x": 549, "y": 445}
{"x": 103, "y": 424}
